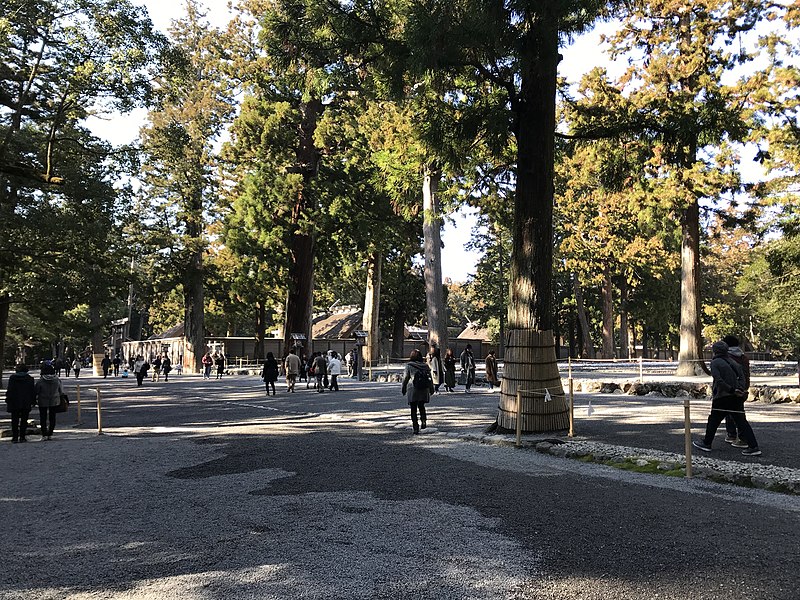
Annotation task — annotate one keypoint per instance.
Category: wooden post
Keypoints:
(641, 371)
(571, 410)
(687, 424)
(78, 404)
(99, 414)
(519, 418)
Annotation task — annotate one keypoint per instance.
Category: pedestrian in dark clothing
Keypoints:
(140, 370)
(491, 370)
(20, 398)
(449, 370)
(48, 397)
(105, 364)
(219, 361)
(728, 394)
(736, 354)
(208, 363)
(116, 363)
(468, 367)
(320, 371)
(156, 364)
(270, 372)
(166, 367)
(417, 388)
(309, 368)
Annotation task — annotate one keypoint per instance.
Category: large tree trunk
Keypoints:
(372, 303)
(530, 307)
(261, 330)
(398, 332)
(432, 241)
(586, 338)
(5, 304)
(608, 314)
(624, 326)
(193, 312)
(690, 357)
(98, 342)
(300, 298)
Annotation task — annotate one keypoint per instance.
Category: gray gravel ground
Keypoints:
(209, 490)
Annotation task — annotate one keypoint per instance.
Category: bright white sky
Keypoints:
(457, 262)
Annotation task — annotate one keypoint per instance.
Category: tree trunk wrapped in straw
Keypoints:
(531, 368)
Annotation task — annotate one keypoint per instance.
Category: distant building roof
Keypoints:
(340, 325)
(172, 332)
(474, 331)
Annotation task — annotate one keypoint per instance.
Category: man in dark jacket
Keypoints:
(728, 395)
(736, 354)
(20, 397)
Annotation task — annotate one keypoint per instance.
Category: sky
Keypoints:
(457, 262)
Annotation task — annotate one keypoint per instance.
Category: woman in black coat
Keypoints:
(20, 398)
(270, 372)
(417, 388)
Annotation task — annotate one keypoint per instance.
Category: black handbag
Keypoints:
(63, 405)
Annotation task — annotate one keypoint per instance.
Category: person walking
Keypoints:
(208, 362)
(140, 370)
(736, 354)
(417, 388)
(116, 363)
(449, 370)
(166, 367)
(156, 364)
(320, 371)
(76, 367)
(434, 360)
(334, 370)
(219, 361)
(105, 364)
(270, 372)
(728, 395)
(20, 398)
(491, 370)
(292, 366)
(468, 367)
(48, 396)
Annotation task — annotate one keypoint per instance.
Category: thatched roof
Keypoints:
(338, 326)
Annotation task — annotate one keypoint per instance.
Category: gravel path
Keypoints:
(213, 491)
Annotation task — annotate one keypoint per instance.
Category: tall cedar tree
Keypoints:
(179, 169)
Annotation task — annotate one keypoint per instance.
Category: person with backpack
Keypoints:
(728, 395)
(292, 367)
(417, 388)
(320, 371)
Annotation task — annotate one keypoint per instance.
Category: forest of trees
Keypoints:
(308, 152)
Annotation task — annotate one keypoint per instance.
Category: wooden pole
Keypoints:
(99, 414)
(519, 418)
(78, 403)
(641, 371)
(571, 410)
(687, 424)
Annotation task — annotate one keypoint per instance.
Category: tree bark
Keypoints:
(432, 249)
(193, 310)
(372, 303)
(300, 297)
(261, 330)
(583, 320)
(530, 306)
(624, 326)
(608, 314)
(5, 304)
(98, 345)
(398, 332)
(690, 357)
